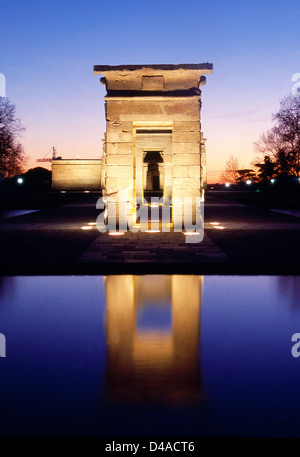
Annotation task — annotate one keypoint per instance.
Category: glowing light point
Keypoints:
(20, 180)
(248, 182)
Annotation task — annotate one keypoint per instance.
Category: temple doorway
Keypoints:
(153, 167)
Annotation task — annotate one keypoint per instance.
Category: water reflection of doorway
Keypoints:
(153, 339)
(153, 174)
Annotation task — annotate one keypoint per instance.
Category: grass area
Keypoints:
(39, 200)
(284, 199)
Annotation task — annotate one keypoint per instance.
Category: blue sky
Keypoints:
(49, 48)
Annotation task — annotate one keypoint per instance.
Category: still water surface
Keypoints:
(15, 212)
(150, 355)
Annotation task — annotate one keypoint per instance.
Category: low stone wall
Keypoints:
(76, 174)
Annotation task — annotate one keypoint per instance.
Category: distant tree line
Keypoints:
(279, 149)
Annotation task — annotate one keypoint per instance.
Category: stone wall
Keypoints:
(76, 174)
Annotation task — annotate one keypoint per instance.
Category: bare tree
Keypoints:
(230, 174)
(288, 122)
(282, 142)
(12, 155)
(270, 143)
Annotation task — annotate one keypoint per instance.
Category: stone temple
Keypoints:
(153, 145)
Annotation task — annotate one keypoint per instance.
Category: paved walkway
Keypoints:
(239, 239)
(151, 248)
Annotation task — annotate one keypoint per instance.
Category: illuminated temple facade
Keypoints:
(153, 144)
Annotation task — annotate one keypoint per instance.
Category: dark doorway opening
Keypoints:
(154, 179)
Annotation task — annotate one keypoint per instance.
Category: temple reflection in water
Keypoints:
(153, 338)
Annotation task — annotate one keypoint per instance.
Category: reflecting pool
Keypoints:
(178, 355)
(16, 212)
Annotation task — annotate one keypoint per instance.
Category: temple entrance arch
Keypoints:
(153, 174)
(153, 162)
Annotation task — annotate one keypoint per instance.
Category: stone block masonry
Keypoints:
(78, 174)
(153, 142)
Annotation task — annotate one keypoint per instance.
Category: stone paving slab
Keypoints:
(151, 247)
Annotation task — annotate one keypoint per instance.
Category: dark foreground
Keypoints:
(255, 240)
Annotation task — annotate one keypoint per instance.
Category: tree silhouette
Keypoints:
(282, 142)
(12, 155)
(230, 174)
(246, 174)
(266, 170)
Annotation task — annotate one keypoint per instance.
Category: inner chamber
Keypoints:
(153, 174)
(153, 164)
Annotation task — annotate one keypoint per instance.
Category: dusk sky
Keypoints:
(49, 48)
